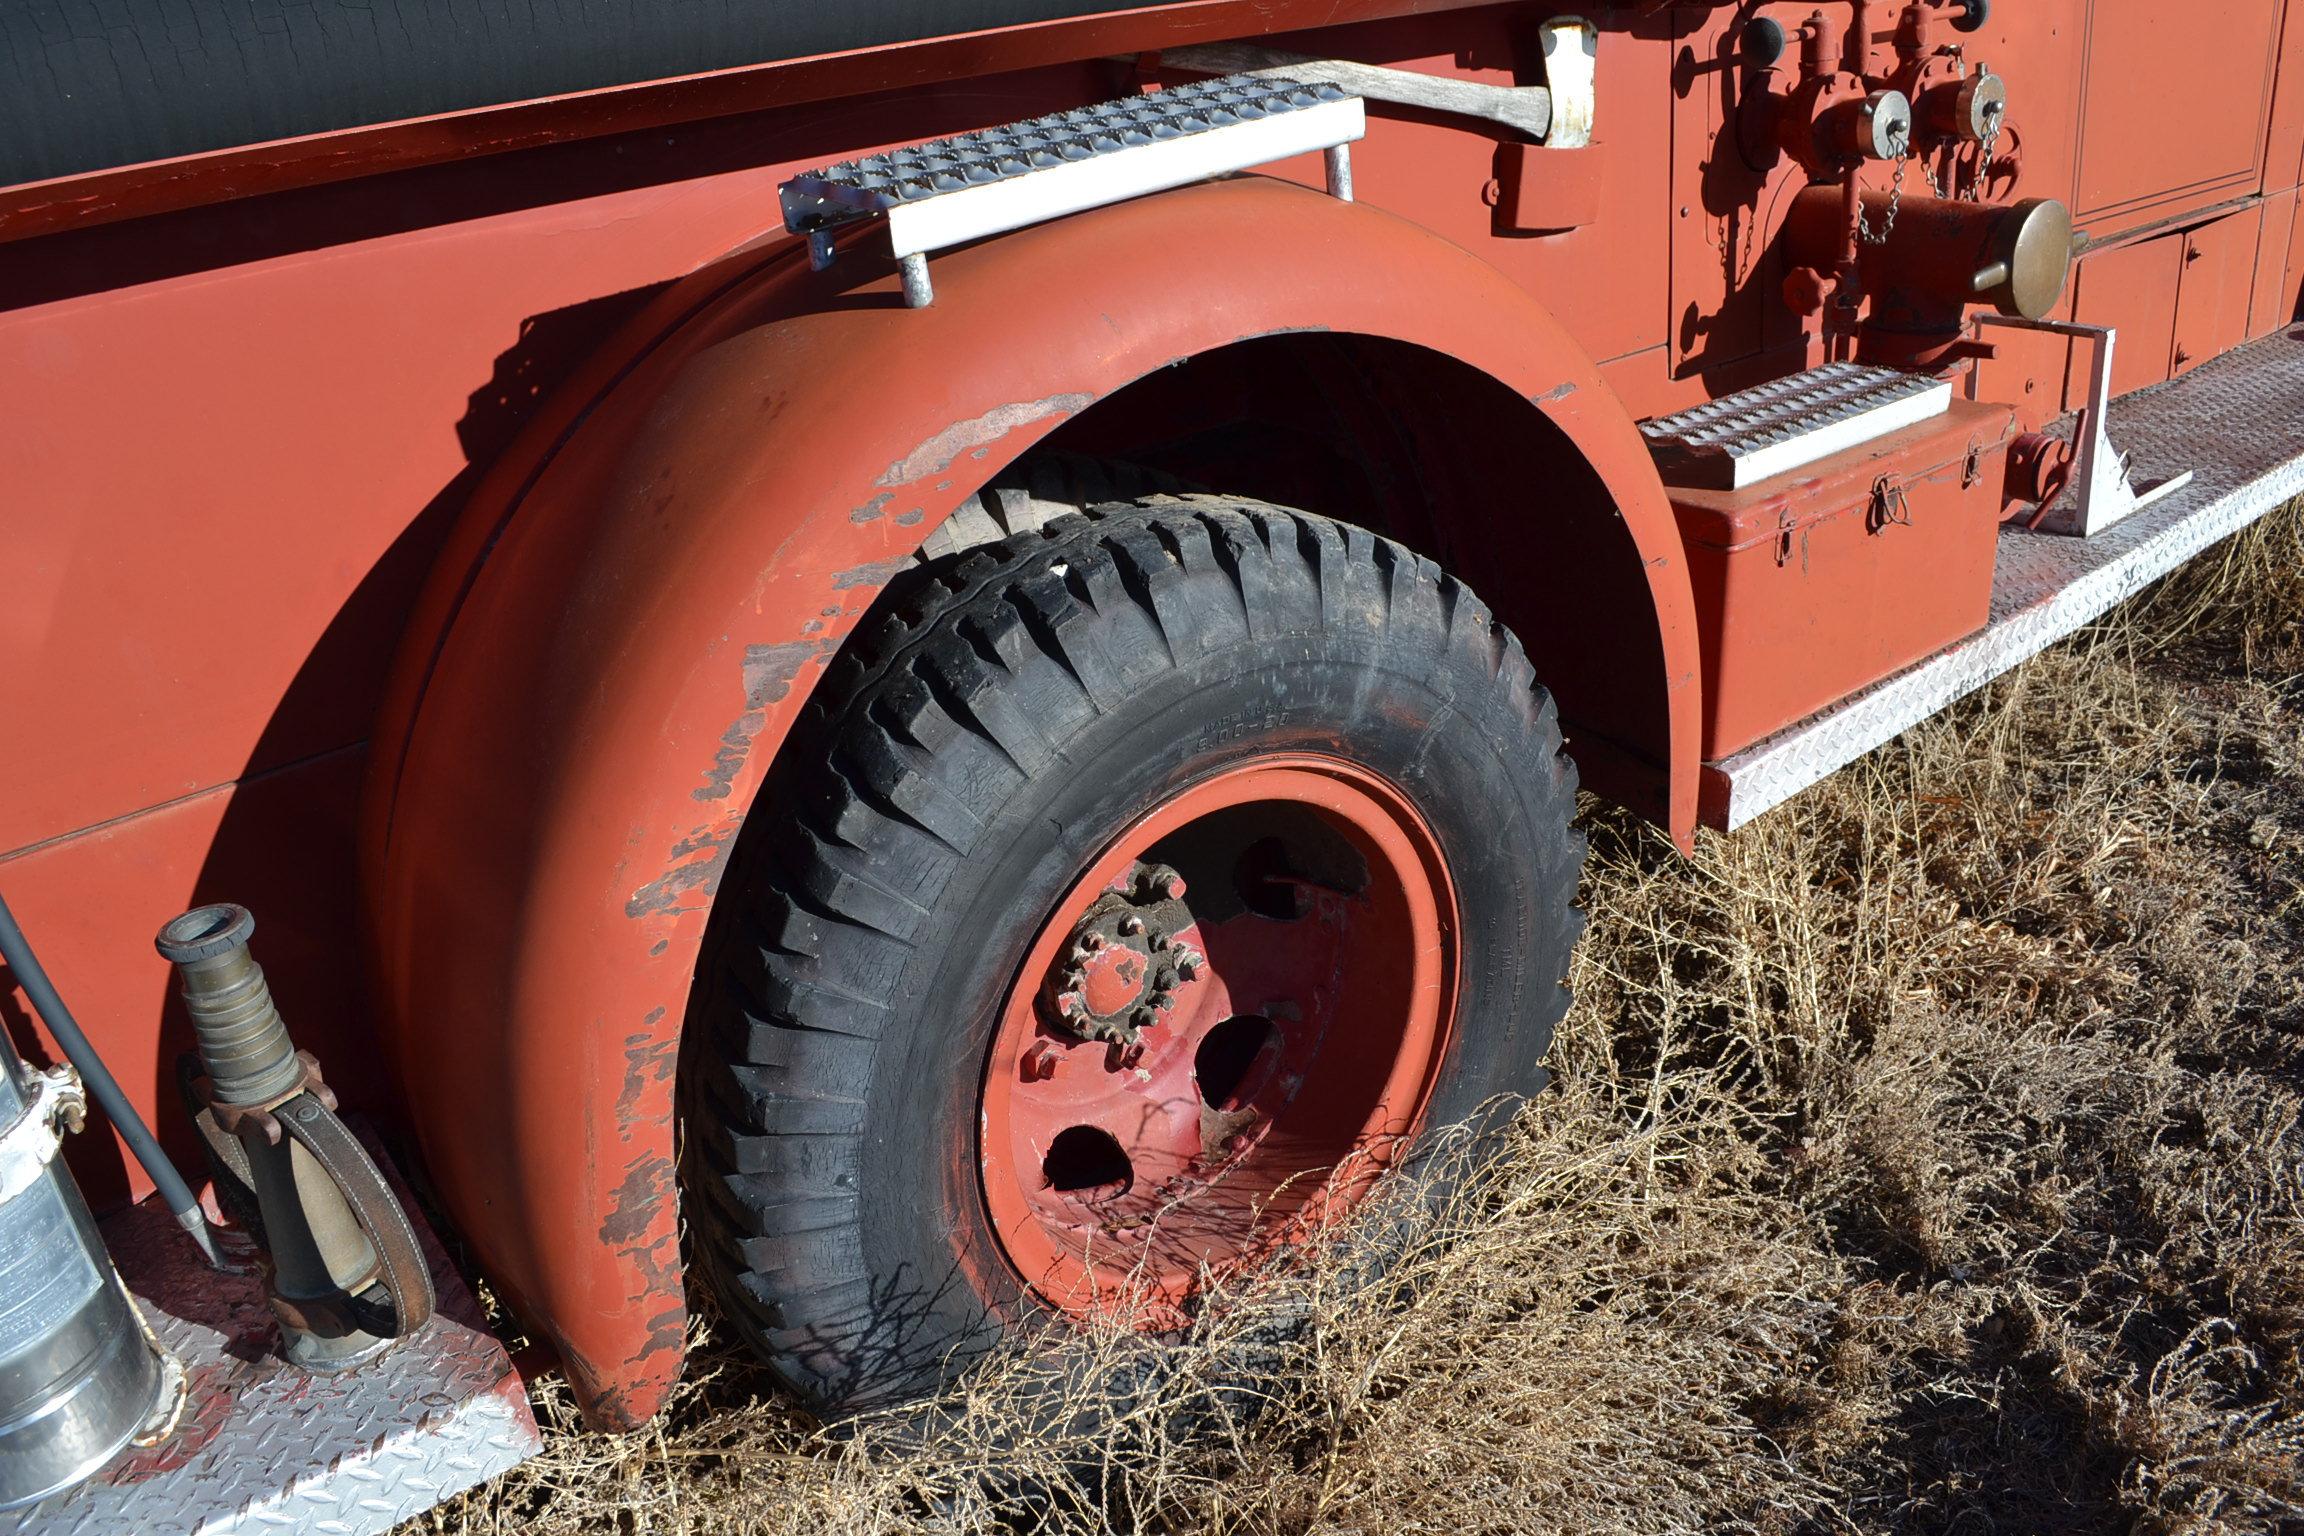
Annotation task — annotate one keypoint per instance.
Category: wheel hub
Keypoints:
(1124, 962)
(1183, 1076)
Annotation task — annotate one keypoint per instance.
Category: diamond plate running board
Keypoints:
(2239, 419)
(262, 1446)
(928, 197)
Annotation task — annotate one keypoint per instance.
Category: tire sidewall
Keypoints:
(1429, 717)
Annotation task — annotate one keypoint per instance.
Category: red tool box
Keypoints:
(1832, 575)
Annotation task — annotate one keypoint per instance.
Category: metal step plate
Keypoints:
(262, 1446)
(2238, 419)
(953, 190)
(1743, 438)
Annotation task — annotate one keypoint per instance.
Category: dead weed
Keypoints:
(1928, 1156)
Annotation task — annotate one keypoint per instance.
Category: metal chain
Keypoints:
(1984, 155)
(1986, 146)
(1887, 220)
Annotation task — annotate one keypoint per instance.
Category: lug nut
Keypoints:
(1091, 941)
(1131, 925)
(1188, 965)
(1157, 881)
(1039, 1063)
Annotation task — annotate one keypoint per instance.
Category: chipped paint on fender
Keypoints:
(874, 573)
(941, 451)
(768, 674)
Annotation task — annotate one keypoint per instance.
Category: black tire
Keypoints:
(996, 721)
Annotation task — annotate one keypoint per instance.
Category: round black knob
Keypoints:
(1761, 44)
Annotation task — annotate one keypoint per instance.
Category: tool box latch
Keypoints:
(1887, 505)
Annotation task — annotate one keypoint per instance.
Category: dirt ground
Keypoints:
(1928, 1156)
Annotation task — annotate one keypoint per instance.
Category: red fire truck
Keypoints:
(950, 643)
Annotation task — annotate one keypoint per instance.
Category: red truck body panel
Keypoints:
(259, 399)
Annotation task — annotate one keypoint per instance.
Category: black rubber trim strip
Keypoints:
(85, 87)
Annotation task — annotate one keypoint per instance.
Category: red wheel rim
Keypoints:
(1285, 1066)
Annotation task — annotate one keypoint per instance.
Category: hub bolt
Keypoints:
(1118, 974)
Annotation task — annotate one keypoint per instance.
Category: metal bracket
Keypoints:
(936, 195)
(2100, 492)
(1558, 112)
(29, 1145)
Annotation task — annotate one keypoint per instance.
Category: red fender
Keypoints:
(633, 613)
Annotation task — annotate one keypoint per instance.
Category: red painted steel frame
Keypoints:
(593, 719)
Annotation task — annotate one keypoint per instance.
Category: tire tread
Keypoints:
(922, 697)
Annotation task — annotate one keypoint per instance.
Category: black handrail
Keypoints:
(101, 1086)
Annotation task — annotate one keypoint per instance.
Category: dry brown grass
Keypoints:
(1927, 1157)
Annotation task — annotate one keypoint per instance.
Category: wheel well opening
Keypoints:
(1432, 452)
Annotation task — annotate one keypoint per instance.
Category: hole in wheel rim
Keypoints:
(1267, 880)
(1226, 1066)
(1087, 1161)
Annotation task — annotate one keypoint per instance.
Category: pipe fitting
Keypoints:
(344, 1270)
(243, 1043)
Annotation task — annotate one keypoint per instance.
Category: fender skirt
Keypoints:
(638, 602)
